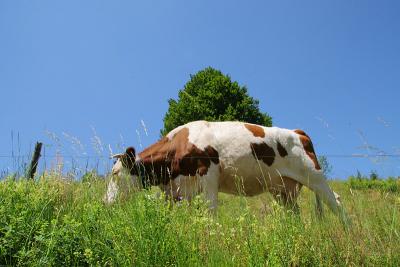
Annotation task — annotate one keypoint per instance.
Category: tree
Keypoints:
(210, 95)
(374, 175)
(325, 165)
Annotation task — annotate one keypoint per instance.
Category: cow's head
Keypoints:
(125, 166)
(125, 163)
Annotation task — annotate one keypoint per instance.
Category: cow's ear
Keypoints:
(130, 152)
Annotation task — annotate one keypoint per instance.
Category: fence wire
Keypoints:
(200, 157)
(76, 166)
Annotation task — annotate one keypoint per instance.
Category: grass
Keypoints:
(54, 222)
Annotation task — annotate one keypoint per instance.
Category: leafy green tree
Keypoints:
(374, 175)
(359, 176)
(325, 165)
(210, 95)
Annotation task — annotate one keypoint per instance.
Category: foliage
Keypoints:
(325, 165)
(359, 175)
(390, 184)
(62, 223)
(210, 95)
(373, 175)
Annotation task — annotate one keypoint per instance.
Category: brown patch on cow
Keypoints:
(308, 147)
(282, 151)
(263, 152)
(169, 158)
(213, 154)
(192, 160)
(256, 130)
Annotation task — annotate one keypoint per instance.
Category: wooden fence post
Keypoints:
(35, 160)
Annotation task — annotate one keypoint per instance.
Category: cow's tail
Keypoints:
(323, 193)
(317, 181)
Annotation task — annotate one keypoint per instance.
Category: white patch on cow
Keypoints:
(117, 168)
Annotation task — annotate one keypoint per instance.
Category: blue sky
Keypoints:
(331, 68)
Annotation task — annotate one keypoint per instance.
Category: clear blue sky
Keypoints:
(331, 68)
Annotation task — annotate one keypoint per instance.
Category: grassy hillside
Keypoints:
(64, 223)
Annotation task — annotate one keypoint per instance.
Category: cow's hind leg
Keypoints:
(287, 201)
(286, 193)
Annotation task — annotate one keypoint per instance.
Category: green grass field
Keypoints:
(64, 223)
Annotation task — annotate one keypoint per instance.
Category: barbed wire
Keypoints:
(201, 157)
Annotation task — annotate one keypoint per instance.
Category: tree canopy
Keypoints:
(210, 95)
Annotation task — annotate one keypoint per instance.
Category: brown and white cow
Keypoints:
(230, 157)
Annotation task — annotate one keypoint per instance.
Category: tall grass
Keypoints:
(64, 223)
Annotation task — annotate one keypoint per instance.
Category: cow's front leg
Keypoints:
(210, 183)
(171, 191)
(188, 187)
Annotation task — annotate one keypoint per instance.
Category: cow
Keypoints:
(231, 157)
